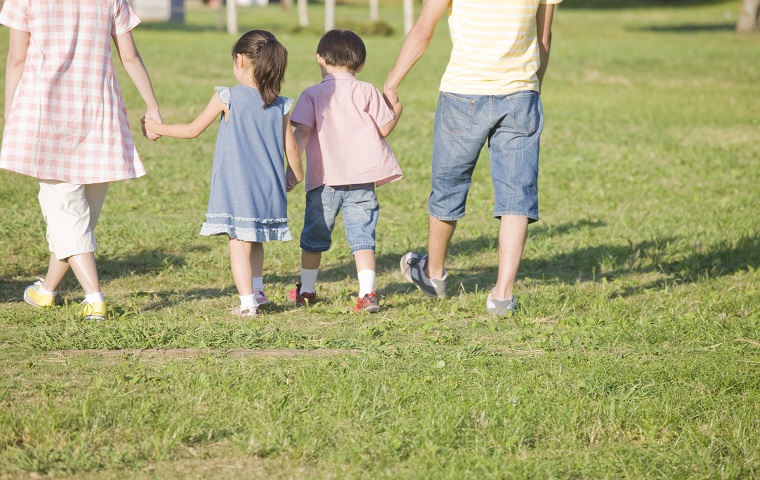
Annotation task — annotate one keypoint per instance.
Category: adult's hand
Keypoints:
(153, 116)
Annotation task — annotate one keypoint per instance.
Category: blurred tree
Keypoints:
(749, 18)
(303, 13)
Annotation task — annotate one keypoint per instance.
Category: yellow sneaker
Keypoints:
(94, 311)
(36, 299)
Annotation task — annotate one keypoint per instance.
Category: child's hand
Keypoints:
(153, 117)
(291, 180)
(150, 129)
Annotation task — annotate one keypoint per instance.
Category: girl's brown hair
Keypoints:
(270, 59)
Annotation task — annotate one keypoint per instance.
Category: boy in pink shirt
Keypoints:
(342, 124)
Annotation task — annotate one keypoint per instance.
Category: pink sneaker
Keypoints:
(248, 312)
(261, 297)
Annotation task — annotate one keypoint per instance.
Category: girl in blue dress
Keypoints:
(248, 179)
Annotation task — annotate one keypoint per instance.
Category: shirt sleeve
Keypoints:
(303, 112)
(550, 2)
(378, 109)
(287, 103)
(15, 15)
(124, 18)
(224, 95)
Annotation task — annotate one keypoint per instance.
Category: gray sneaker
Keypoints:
(500, 308)
(413, 268)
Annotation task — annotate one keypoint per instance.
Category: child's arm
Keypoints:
(190, 130)
(293, 154)
(301, 135)
(386, 129)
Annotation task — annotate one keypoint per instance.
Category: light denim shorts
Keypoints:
(360, 212)
(511, 125)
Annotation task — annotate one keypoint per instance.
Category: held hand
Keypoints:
(151, 117)
(149, 128)
(290, 180)
(390, 95)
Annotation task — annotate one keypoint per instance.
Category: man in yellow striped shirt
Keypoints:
(489, 93)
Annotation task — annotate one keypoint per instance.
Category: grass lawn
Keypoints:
(635, 352)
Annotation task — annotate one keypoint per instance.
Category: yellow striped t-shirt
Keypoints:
(495, 48)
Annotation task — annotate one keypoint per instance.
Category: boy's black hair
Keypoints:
(270, 59)
(342, 48)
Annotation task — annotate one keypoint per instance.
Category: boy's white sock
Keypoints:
(258, 283)
(95, 297)
(366, 282)
(247, 302)
(309, 280)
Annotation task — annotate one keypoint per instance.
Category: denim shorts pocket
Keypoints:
(525, 112)
(457, 113)
(320, 199)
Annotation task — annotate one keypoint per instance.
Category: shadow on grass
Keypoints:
(675, 260)
(108, 269)
(672, 258)
(689, 28)
(622, 4)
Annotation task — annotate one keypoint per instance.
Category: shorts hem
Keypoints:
(356, 248)
(72, 252)
(445, 218)
(316, 249)
(532, 217)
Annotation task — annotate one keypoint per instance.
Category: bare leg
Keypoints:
(240, 262)
(257, 259)
(513, 231)
(86, 271)
(439, 235)
(365, 260)
(57, 269)
(310, 260)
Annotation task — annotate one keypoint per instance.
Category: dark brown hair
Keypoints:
(270, 59)
(342, 48)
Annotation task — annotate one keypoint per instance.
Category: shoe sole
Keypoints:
(31, 302)
(495, 311)
(405, 267)
(409, 273)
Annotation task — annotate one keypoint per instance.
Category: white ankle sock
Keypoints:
(95, 297)
(309, 280)
(366, 282)
(247, 302)
(258, 283)
(42, 291)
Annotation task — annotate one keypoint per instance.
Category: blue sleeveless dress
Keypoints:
(247, 199)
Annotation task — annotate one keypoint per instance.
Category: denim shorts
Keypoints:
(511, 125)
(360, 212)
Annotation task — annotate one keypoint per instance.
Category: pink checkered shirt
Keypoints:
(68, 120)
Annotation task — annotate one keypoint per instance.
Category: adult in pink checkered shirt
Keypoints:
(66, 124)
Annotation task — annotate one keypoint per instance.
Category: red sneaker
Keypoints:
(304, 298)
(367, 303)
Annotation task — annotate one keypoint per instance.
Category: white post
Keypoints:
(329, 14)
(408, 15)
(303, 13)
(374, 10)
(232, 26)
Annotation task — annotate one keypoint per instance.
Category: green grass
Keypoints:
(635, 352)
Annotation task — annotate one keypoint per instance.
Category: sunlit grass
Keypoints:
(634, 354)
